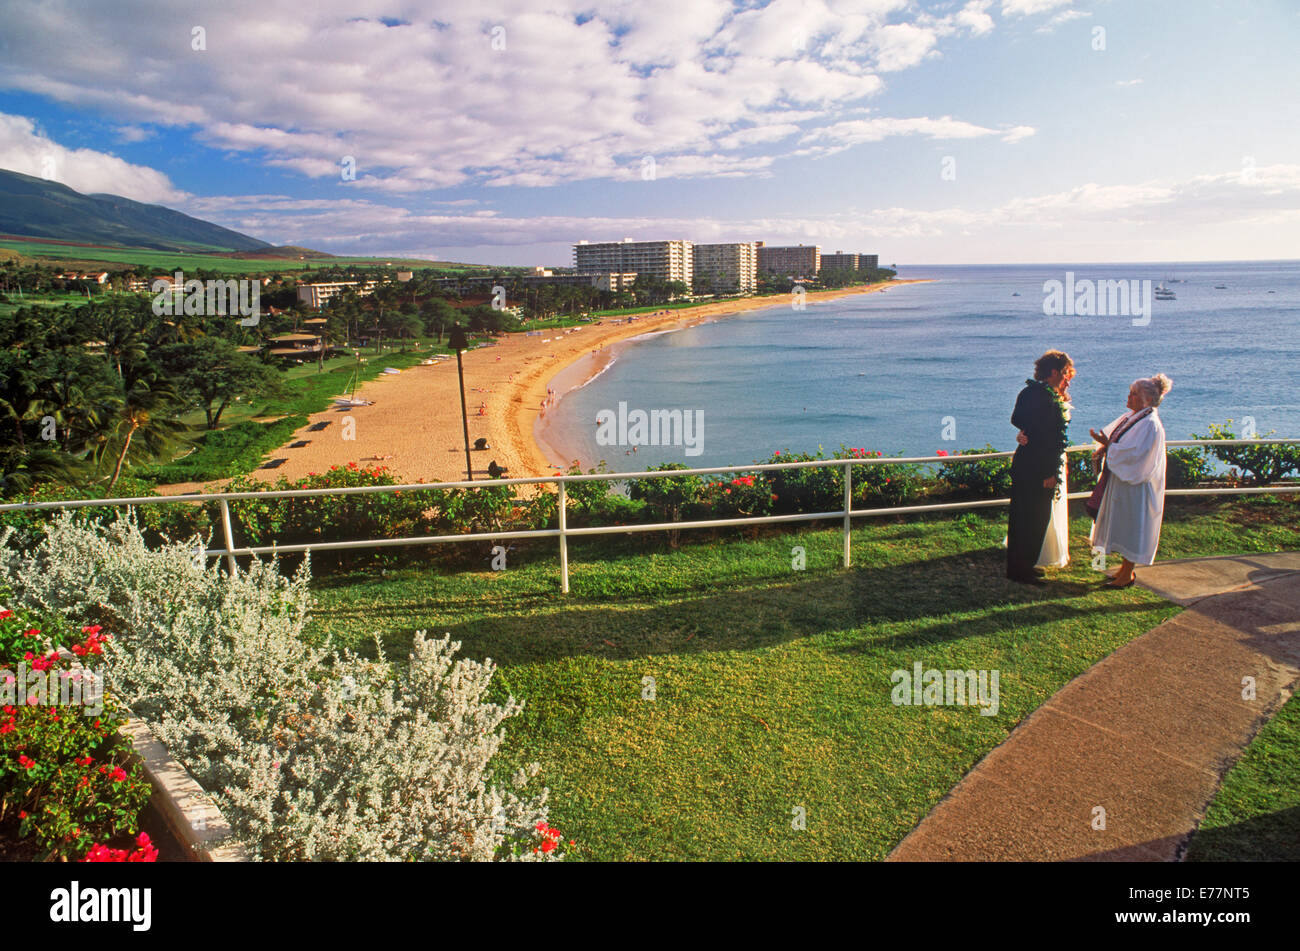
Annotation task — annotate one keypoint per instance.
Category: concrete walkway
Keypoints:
(1147, 734)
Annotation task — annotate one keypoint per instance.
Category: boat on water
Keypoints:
(1016, 294)
(1220, 287)
(1163, 293)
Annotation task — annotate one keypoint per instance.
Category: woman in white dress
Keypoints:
(1133, 504)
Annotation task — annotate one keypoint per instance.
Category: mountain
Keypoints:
(37, 207)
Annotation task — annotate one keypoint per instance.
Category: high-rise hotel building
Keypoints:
(665, 260)
(840, 261)
(803, 260)
(726, 268)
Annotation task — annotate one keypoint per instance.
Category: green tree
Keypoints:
(211, 373)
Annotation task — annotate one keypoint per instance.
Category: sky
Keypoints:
(964, 132)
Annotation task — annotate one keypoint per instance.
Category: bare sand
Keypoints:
(414, 425)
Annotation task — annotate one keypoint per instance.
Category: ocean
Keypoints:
(901, 370)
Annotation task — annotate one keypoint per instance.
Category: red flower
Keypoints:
(548, 846)
(6, 613)
(25, 761)
(941, 452)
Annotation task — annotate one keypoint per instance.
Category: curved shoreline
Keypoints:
(553, 447)
(413, 426)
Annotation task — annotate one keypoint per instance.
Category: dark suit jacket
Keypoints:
(1037, 415)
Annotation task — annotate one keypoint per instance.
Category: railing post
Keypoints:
(848, 507)
(229, 537)
(562, 506)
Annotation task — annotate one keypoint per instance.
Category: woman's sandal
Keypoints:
(1129, 584)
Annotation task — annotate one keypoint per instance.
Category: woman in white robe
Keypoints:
(1133, 505)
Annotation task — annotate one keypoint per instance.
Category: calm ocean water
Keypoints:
(882, 371)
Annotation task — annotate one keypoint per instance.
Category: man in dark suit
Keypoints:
(1036, 464)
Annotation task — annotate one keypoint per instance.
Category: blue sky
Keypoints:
(1070, 130)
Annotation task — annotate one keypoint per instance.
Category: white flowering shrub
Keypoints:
(311, 754)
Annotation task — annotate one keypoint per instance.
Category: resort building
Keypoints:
(839, 261)
(725, 268)
(314, 295)
(662, 260)
(803, 260)
(296, 346)
(868, 260)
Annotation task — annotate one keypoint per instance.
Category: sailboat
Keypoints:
(349, 401)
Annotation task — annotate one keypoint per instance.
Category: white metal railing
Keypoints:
(563, 532)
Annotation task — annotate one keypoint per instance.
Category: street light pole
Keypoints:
(456, 340)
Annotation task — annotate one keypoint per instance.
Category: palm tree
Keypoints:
(143, 425)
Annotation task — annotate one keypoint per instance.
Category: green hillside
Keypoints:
(38, 208)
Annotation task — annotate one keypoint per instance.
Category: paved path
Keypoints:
(1147, 733)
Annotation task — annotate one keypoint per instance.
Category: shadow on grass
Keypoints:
(1273, 837)
(744, 613)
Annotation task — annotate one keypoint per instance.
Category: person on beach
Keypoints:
(1133, 497)
(1041, 416)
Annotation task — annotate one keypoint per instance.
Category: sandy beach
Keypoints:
(414, 425)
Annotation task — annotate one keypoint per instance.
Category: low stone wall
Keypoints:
(191, 816)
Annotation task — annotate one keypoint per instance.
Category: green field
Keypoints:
(169, 261)
(771, 687)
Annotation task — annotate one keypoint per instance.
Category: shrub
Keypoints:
(311, 754)
(1260, 464)
(880, 484)
(983, 478)
(1187, 468)
(65, 771)
(805, 490)
(157, 521)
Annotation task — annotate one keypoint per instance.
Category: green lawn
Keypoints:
(1256, 815)
(168, 261)
(771, 686)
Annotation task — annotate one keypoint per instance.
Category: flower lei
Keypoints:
(1063, 414)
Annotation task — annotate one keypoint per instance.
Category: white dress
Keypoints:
(1134, 503)
(1056, 543)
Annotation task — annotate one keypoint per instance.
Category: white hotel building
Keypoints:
(664, 260)
(726, 268)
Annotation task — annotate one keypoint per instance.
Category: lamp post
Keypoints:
(457, 341)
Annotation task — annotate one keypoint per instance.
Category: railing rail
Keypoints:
(563, 532)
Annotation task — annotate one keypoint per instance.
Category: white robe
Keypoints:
(1133, 505)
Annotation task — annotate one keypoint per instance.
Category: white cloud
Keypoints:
(1030, 7)
(23, 148)
(573, 93)
(354, 225)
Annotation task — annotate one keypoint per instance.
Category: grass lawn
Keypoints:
(771, 687)
(169, 261)
(1256, 815)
